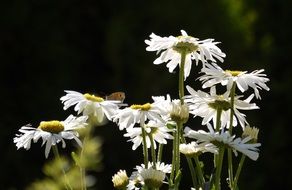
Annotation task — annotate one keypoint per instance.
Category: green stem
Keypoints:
(191, 167)
(232, 95)
(218, 126)
(199, 171)
(145, 149)
(179, 127)
(160, 151)
(229, 152)
(219, 168)
(218, 119)
(176, 140)
(230, 167)
(173, 157)
(57, 155)
(238, 171)
(153, 155)
(181, 76)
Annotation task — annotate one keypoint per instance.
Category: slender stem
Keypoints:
(230, 167)
(57, 155)
(153, 155)
(176, 140)
(177, 166)
(193, 172)
(173, 157)
(199, 171)
(219, 168)
(229, 152)
(160, 151)
(191, 167)
(238, 171)
(181, 76)
(218, 119)
(218, 160)
(232, 95)
(145, 149)
(218, 126)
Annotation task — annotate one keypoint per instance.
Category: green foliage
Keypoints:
(61, 171)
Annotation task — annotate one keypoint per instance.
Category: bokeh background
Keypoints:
(49, 46)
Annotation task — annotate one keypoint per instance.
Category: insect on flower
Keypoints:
(116, 96)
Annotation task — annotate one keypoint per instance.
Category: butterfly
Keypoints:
(120, 96)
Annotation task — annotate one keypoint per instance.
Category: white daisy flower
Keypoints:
(91, 105)
(195, 49)
(161, 166)
(120, 180)
(245, 147)
(195, 188)
(144, 175)
(51, 132)
(195, 149)
(152, 178)
(206, 105)
(164, 102)
(135, 181)
(136, 113)
(176, 111)
(166, 168)
(215, 74)
(224, 138)
(157, 129)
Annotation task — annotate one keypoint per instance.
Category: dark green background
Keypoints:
(98, 46)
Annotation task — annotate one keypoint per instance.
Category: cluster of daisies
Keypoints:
(154, 124)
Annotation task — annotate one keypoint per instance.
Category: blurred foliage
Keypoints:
(98, 46)
(87, 160)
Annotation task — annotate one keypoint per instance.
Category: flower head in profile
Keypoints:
(51, 132)
(194, 49)
(90, 105)
(223, 138)
(120, 180)
(206, 106)
(179, 112)
(194, 149)
(140, 113)
(152, 176)
(251, 132)
(154, 129)
(195, 188)
(215, 74)
(135, 181)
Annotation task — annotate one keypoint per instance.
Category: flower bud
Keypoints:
(120, 180)
(251, 132)
(179, 112)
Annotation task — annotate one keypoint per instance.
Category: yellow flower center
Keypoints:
(93, 98)
(51, 126)
(233, 73)
(144, 107)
